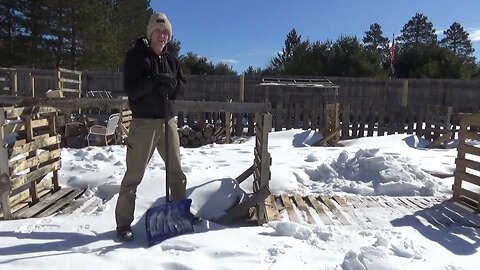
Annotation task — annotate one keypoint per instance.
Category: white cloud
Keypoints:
(226, 61)
(474, 34)
(229, 61)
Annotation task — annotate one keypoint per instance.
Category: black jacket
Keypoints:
(144, 80)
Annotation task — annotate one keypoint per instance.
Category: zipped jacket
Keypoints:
(149, 77)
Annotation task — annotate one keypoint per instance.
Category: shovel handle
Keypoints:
(167, 152)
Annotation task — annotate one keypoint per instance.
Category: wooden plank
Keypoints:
(43, 187)
(34, 145)
(21, 111)
(271, 208)
(340, 201)
(5, 183)
(303, 207)
(468, 177)
(408, 203)
(438, 141)
(32, 176)
(17, 166)
(468, 163)
(469, 149)
(43, 204)
(61, 203)
(356, 202)
(69, 104)
(320, 211)
(331, 205)
(469, 194)
(471, 135)
(419, 205)
(289, 207)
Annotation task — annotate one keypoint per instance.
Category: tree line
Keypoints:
(415, 53)
(95, 35)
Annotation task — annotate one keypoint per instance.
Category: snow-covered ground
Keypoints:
(385, 167)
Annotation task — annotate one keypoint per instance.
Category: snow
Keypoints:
(384, 167)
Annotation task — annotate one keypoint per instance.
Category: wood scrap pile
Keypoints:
(195, 137)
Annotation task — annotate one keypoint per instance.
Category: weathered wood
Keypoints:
(438, 141)
(271, 209)
(468, 164)
(289, 207)
(5, 181)
(468, 149)
(35, 145)
(328, 137)
(22, 111)
(340, 201)
(474, 179)
(303, 206)
(35, 175)
(320, 211)
(43, 187)
(331, 205)
(61, 203)
(43, 204)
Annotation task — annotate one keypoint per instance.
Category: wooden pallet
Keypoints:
(357, 210)
(49, 204)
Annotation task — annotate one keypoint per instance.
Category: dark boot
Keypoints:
(125, 233)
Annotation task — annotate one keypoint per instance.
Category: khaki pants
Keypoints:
(143, 137)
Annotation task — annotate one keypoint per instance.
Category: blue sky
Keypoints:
(246, 33)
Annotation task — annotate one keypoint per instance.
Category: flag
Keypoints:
(392, 54)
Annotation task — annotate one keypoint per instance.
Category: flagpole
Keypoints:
(392, 54)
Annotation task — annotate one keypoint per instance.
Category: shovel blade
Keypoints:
(168, 220)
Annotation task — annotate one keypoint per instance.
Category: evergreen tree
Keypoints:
(193, 64)
(131, 20)
(251, 71)
(417, 30)
(456, 39)
(350, 59)
(293, 40)
(99, 36)
(377, 46)
(223, 69)
(9, 32)
(174, 47)
(374, 39)
(33, 38)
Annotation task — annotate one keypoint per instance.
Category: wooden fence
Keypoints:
(367, 107)
(467, 172)
(30, 150)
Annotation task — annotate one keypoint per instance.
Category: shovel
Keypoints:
(172, 218)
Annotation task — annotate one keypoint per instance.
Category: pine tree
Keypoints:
(417, 30)
(9, 32)
(99, 36)
(279, 62)
(131, 19)
(456, 39)
(374, 39)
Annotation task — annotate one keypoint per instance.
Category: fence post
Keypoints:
(14, 84)
(242, 88)
(404, 98)
(5, 183)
